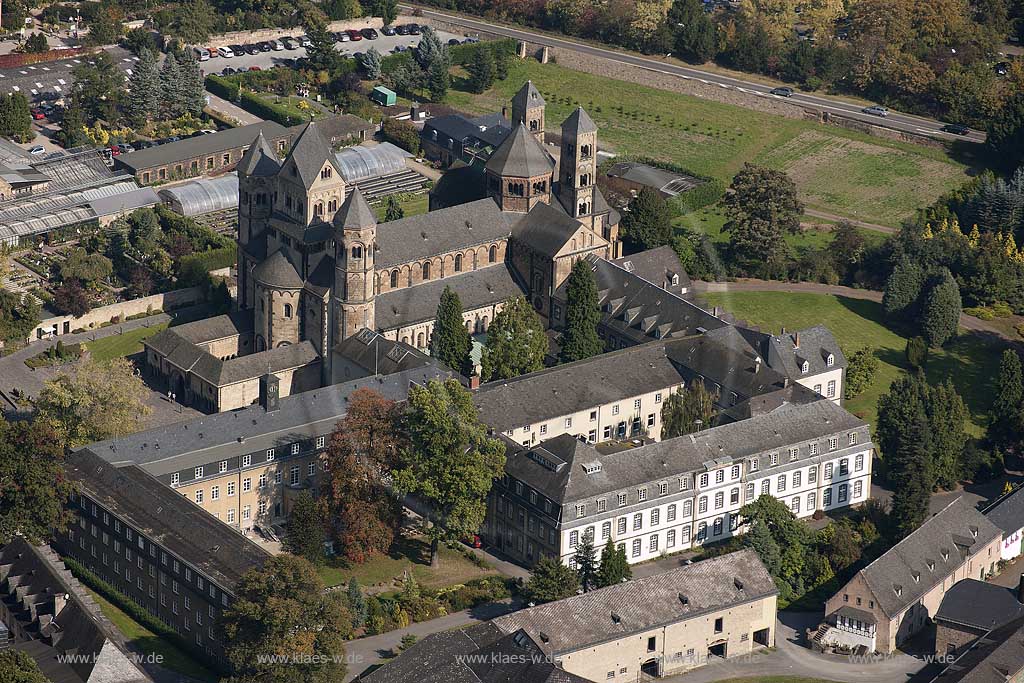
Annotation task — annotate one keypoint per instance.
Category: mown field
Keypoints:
(837, 171)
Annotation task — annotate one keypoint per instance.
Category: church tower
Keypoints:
(578, 166)
(256, 171)
(528, 109)
(355, 237)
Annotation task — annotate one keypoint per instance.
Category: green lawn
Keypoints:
(291, 105)
(971, 361)
(838, 171)
(412, 204)
(120, 345)
(711, 220)
(774, 679)
(148, 642)
(406, 555)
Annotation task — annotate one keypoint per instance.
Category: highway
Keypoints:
(895, 120)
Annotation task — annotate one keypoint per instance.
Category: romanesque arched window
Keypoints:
(318, 209)
(426, 270)
(458, 263)
(287, 310)
(325, 173)
(585, 151)
(332, 205)
(492, 254)
(357, 252)
(394, 279)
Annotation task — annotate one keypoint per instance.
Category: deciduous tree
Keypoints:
(449, 462)
(71, 298)
(861, 370)
(19, 315)
(579, 340)
(17, 666)
(282, 627)
(761, 207)
(687, 410)
(516, 343)
(33, 488)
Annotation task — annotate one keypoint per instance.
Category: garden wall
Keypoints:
(246, 37)
(65, 324)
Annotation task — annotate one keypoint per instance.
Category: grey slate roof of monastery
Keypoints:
(203, 145)
(310, 151)
(223, 435)
(952, 530)
(460, 184)
(277, 271)
(643, 604)
(437, 232)
(355, 212)
(578, 122)
(997, 657)
(481, 653)
(657, 266)
(527, 97)
(563, 479)
(1007, 513)
(260, 159)
(166, 517)
(377, 355)
(476, 288)
(733, 371)
(545, 229)
(34, 575)
(223, 372)
(979, 604)
(520, 156)
(572, 387)
(782, 353)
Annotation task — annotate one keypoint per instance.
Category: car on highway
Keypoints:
(388, 30)
(875, 110)
(782, 92)
(37, 150)
(414, 29)
(956, 129)
(355, 35)
(369, 34)
(225, 51)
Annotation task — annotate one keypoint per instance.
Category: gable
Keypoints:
(581, 239)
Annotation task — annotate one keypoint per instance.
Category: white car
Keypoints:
(37, 150)
(202, 54)
(225, 51)
(304, 41)
(276, 45)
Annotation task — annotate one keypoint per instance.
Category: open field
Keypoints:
(711, 220)
(407, 554)
(837, 171)
(971, 360)
(148, 642)
(120, 345)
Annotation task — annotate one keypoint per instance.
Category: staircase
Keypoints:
(820, 634)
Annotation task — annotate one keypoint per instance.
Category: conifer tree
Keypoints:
(450, 343)
(371, 63)
(582, 314)
(356, 602)
(393, 210)
(551, 580)
(1008, 408)
(516, 343)
(481, 70)
(143, 101)
(192, 88)
(438, 80)
(910, 471)
(614, 566)
(586, 562)
(171, 101)
(941, 313)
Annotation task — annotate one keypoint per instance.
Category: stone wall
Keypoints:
(246, 37)
(65, 324)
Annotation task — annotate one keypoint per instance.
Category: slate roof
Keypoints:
(734, 372)
(997, 657)
(1007, 513)
(481, 653)
(310, 151)
(460, 184)
(379, 356)
(545, 229)
(277, 271)
(951, 530)
(782, 352)
(344, 126)
(476, 288)
(520, 156)
(221, 373)
(355, 212)
(658, 266)
(260, 159)
(172, 447)
(640, 605)
(979, 604)
(528, 97)
(556, 467)
(200, 146)
(167, 517)
(438, 232)
(578, 123)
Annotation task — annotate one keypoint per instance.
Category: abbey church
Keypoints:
(315, 267)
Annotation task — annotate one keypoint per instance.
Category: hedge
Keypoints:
(214, 259)
(222, 87)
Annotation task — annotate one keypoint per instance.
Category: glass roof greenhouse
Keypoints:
(204, 195)
(359, 163)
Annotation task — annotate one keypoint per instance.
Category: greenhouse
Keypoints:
(359, 163)
(202, 196)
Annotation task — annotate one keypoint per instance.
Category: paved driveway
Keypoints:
(791, 658)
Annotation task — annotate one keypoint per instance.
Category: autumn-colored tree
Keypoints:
(364, 514)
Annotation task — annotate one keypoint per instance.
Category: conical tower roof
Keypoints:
(520, 156)
(528, 97)
(355, 213)
(277, 271)
(310, 152)
(260, 159)
(579, 122)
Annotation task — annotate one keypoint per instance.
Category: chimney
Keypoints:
(59, 601)
(1020, 589)
(757, 364)
(474, 382)
(504, 111)
(796, 340)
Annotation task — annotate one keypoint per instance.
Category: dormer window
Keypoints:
(897, 589)
(945, 554)
(805, 367)
(917, 577)
(931, 565)
(830, 360)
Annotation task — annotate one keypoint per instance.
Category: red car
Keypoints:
(255, 68)
(355, 35)
(114, 151)
(38, 114)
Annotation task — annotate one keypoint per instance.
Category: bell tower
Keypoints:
(528, 109)
(578, 166)
(355, 237)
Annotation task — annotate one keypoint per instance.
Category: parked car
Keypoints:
(239, 50)
(264, 46)
(454, 41)
(876, 111)
(344, 37)
(304, 41)
(782, 92)
(369, 34)
(1002, 68)
(225, 51)
(114, 151)
(255, 68)
(143, 144)
(289, 42)
(252, 49)
(388, 30)
(37, 114)
(471, 39)
(401, 48)
(37, 150)
(402, 30)
(125, 148)
(213, 52)
(355, 35)
(956, 129)
(227, 71)
(201, 53)
(414, 29)
(276, 45)
(473, 541)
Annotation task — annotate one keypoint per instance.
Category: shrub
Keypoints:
(706, 194)
(981, 312)
(223, 87)
(189, 267)
(402, 134)
(1020, 329)
(1001, 309)
(917, 352)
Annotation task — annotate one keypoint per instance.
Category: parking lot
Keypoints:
(266, 60)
